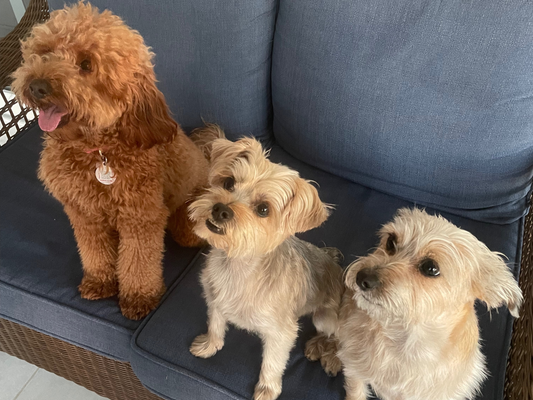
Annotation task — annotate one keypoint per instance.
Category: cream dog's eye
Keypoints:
(390, 246)
(86, 65)
(229, 184)
(262, 210)
(429, 268)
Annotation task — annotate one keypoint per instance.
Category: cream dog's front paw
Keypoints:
(204, 346)
(264, 391)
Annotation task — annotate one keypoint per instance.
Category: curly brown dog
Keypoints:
(113, 156)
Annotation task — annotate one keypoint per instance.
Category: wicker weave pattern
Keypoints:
(109, 378)
(14, 118)
(19, 118)
(519, 375)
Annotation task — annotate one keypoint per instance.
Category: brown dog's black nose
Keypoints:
(367, 279)
(40, 88)
(221, 212)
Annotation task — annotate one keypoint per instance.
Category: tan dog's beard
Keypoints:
(237, 241)
(386, 303)
(243, 236)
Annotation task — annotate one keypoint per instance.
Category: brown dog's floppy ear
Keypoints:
(494, 283)
(147, 120)
(305, 211)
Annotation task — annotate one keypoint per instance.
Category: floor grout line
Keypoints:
(26, 384)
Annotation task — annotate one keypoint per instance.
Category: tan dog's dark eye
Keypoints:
(429, 268)
(390, 246)
(262, 210)
(229, 184)
(86, 65)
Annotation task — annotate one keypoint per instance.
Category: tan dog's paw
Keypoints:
(331, 364)
(204, 347)
(94, 289)
(324, 349)
(138, 306)
(314, 348)
(267, 392)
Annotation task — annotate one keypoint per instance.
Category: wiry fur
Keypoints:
(259, 276)
(204, 137)
(416, 337)
(117, 108)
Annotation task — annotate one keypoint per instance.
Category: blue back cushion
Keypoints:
(428, 100)
(212, 57)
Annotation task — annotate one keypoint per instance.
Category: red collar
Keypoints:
(89, 151)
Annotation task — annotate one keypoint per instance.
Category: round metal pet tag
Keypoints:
(104, 174)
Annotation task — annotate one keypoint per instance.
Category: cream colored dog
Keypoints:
(407, 323)
(259, 276)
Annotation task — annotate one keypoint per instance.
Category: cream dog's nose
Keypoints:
(367, 279)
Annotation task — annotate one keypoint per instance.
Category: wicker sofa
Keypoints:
(280, 70)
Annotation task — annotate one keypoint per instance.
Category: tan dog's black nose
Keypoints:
(367, 279)
(40, 88)
(221, 213)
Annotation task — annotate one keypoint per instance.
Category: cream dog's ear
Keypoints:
(493, 283)
(305, 211)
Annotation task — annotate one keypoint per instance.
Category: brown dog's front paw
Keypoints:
(94, 289)
(138, 306)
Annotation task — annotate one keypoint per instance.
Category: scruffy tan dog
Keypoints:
(407, 323)
(259, 276)
(113, 156)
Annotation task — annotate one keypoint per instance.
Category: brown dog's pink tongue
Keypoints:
(50, 118)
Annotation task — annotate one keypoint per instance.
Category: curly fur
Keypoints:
(100, 75)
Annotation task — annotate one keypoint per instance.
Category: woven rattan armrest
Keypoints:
(519, 374)
(14, 118)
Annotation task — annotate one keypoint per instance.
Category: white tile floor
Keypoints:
(20, 380)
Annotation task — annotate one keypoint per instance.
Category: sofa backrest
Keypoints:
(428, 100)
(212, 57)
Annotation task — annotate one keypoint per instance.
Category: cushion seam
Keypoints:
(180, 370)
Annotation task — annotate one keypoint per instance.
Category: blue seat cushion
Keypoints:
(430, 101)
(162, 359)
(39, 264)
(212, 59)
